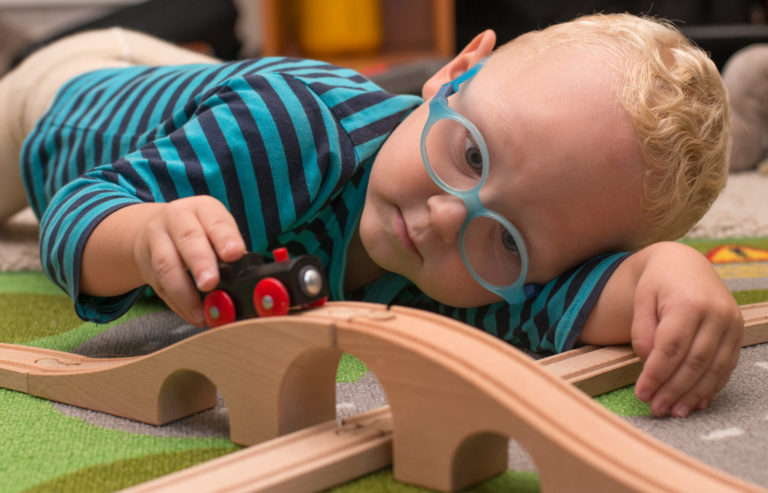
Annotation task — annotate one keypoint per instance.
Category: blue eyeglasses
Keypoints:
(456, 158)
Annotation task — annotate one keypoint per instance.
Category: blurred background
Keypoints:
(396, 42)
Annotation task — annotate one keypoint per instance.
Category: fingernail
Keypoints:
(663, 410)
(642, 394)
(230, 247)
(703, 405)
(203, 277)
(681, 411)
(198, 317)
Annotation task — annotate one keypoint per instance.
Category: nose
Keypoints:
(446, 214)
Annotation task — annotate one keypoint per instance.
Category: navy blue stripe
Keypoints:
(321, 88)
(480, 313)
(357, 79)
(192, 165)
(170, 106)
(159, 168)
(359, 103)
(577, 276)
(347, 157)
(318, 229)
(288, 138)
(314, 115)
(144, 120)
(77, 142)
(541, 318)
(504, 329)
(202, 86)
(378, 128)
(342, 214)
(50, 180)
(220, 148)
(586, 308)
(73, 141)
(140, 88)
(51, 230)
(125, 169)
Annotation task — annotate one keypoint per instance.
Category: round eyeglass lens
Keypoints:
(490, 248)
(454, 155)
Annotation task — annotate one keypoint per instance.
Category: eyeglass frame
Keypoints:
(440, 110)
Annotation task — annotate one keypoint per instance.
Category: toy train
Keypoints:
(251, 287)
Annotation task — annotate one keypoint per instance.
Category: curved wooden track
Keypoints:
(456, 394)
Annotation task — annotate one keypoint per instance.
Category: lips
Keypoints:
(401, 230)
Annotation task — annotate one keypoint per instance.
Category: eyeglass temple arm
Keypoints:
(453, 86)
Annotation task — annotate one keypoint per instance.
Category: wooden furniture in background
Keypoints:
(411, 30)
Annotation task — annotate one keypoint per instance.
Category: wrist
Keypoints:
(110, 258)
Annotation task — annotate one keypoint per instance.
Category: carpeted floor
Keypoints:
(54, 447)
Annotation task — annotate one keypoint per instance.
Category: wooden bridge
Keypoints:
(456, 396)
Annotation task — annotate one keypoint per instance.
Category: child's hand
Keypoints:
(686, 326)
(186, 234)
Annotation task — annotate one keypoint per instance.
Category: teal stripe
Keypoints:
(273, 145)
(175, 167)
(307, 148)
(244, 170)
(213, 179)
(142, 98)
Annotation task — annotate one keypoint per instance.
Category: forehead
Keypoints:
(561, 145)
(560, 76)
(566, 95)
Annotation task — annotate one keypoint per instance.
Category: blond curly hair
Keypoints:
(676, 102)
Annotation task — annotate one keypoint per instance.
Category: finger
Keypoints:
(194, 248)
(222, 231)
(735, 339)
(669, 350)
(729, 351)
(692, 392)
(643, 331)
(168, 277)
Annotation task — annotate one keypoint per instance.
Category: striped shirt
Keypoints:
(285, 144)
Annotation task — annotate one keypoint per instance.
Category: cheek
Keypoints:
(450, 283)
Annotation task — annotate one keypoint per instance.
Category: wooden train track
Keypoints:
(456, 395)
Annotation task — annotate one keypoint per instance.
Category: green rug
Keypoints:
(52, 447)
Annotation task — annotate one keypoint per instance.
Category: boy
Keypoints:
(497, 201)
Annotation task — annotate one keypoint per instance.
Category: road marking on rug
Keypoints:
(762, 364)
(723, 433)
(345, 405)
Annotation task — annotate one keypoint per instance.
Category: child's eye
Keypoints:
(509, 241)
(472, 155)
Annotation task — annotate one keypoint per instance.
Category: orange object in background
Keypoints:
(339, 27)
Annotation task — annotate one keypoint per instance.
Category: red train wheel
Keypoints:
(270, 298)
(219, 308)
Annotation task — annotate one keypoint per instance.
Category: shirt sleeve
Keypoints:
(551, 321)
(242, 143)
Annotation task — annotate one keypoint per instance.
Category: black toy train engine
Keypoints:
(251, 287)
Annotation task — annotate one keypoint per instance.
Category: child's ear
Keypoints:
(477, 49)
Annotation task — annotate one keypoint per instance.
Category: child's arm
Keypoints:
(155, 244)
(684, 322)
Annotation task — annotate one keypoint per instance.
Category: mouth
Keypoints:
(401, 230)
